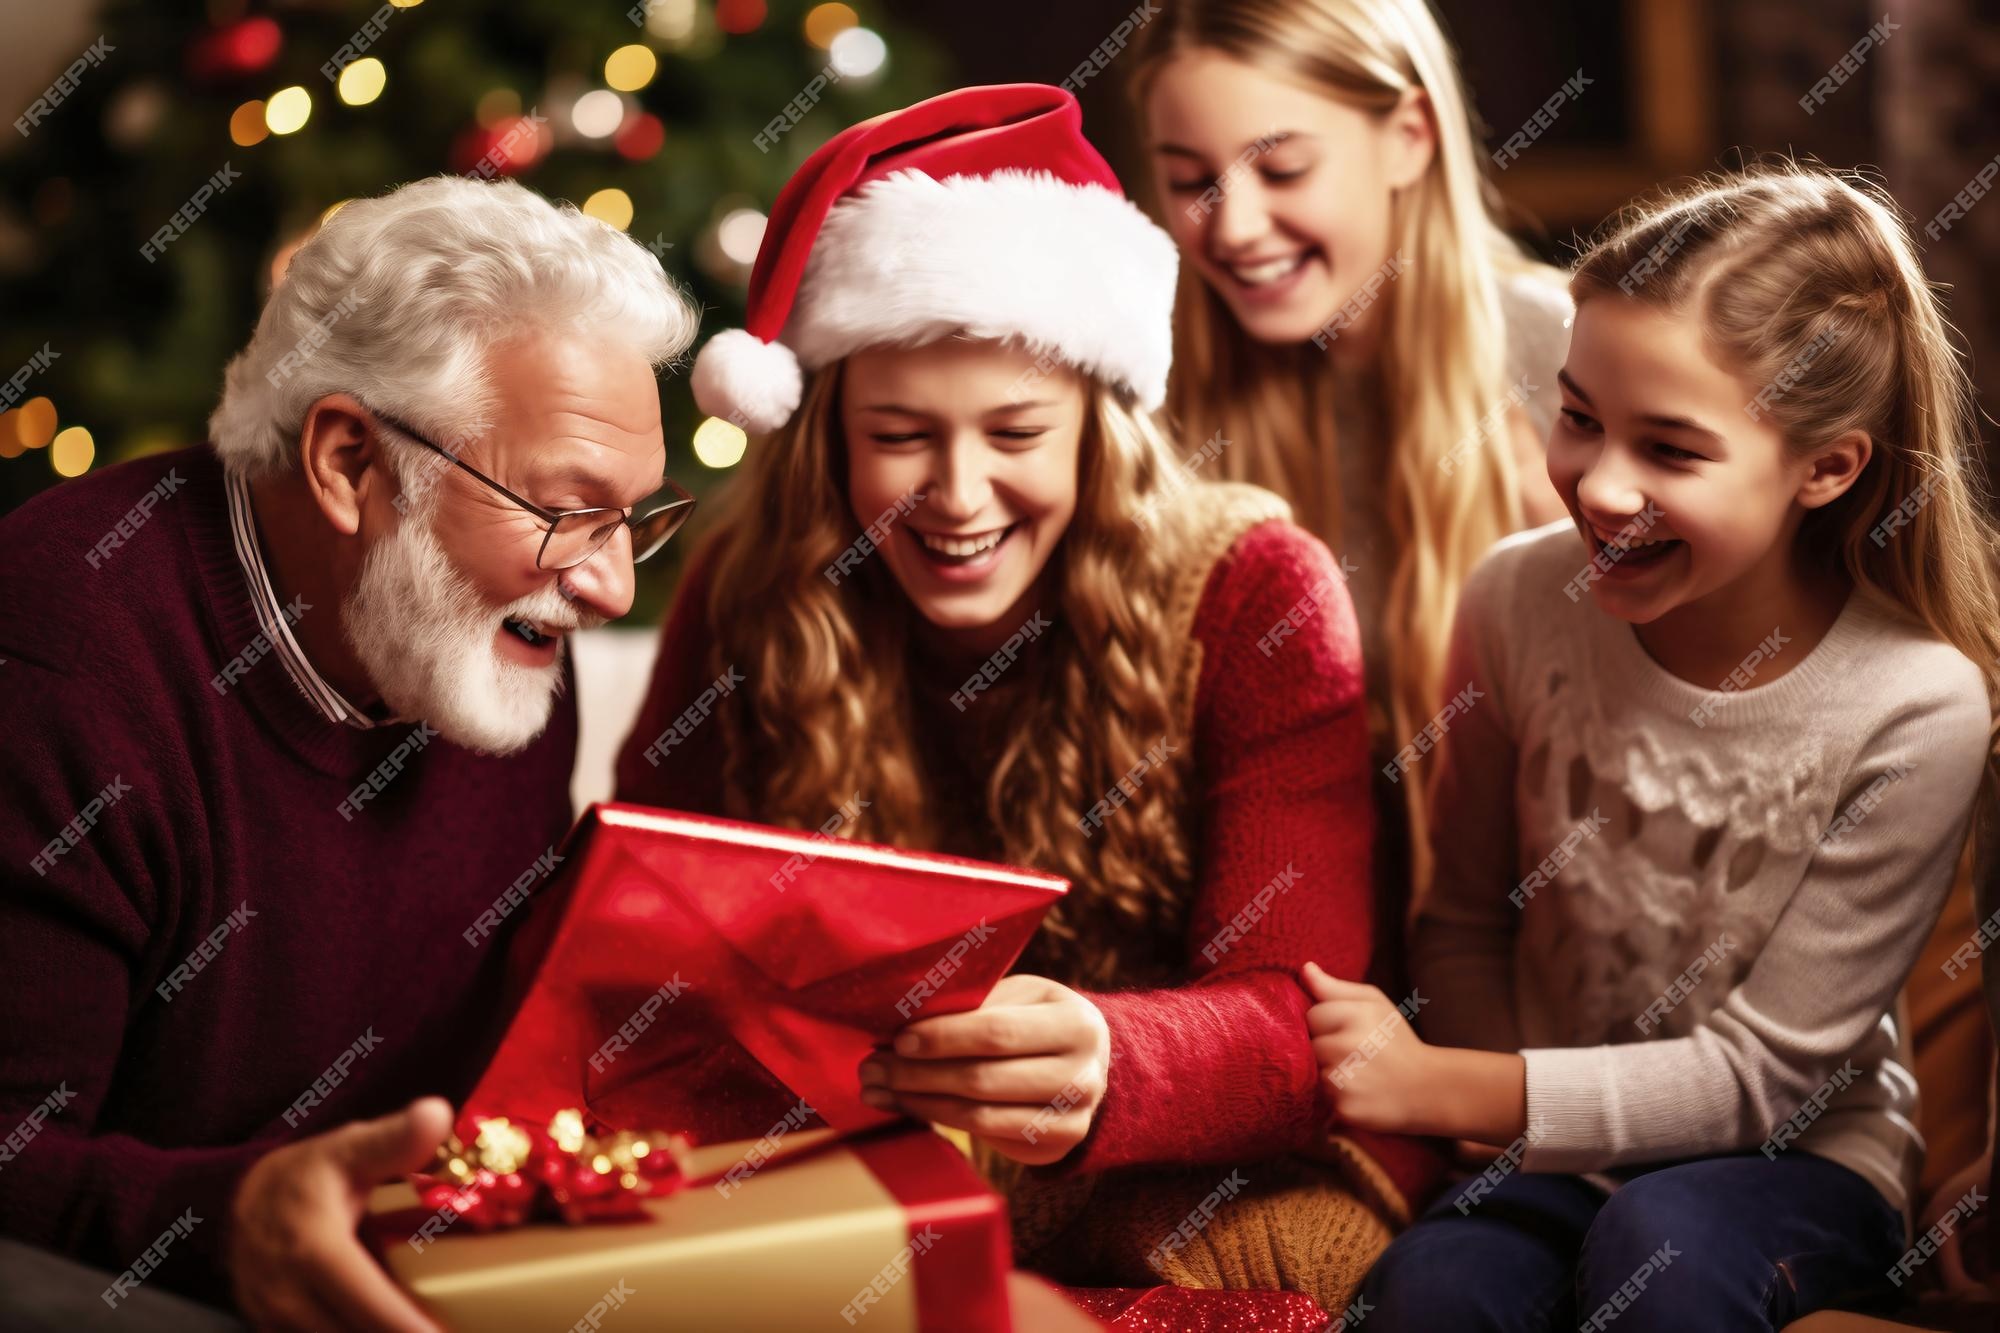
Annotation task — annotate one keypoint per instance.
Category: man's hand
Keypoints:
(293, 1253)
(1025, 1071)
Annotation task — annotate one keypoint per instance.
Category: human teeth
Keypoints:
(1268, 271)
(962, 546)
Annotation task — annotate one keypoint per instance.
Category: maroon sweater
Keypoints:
(328, 973)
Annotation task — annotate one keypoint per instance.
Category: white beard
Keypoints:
(426, 639)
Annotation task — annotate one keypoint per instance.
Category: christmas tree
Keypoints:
(170, 170)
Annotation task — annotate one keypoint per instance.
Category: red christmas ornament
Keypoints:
(510, 1174)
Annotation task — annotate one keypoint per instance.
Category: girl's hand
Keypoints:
(1375, 1067)
(1025, 1071)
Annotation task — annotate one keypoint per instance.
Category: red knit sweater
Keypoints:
(319, 949)
(1219, 1069)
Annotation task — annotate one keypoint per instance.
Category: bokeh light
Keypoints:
(719, 443)
(630, 68)
(613, 206)
(72, 451)
(246, 124)
(362, 82)
(597, 114)
(826, 22)
(288, 110)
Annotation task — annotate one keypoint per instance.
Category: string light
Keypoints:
(246, 124)
(597, 114)
(288, 110)
(72, 452)
(612, 205)
(719, 443)
(858, 53)
(630, 68)
(36, 424)
(362, 82)
(826, 22)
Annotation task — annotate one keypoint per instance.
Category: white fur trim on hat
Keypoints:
(1072, 270)
(741, 378)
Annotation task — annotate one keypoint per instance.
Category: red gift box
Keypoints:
(723, 979)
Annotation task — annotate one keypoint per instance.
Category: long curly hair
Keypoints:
(825, 712)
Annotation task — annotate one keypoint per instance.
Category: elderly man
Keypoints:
(288, 739)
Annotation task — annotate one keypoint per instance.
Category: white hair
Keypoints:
(398, 299)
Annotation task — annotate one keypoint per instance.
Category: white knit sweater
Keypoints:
(1720, 892)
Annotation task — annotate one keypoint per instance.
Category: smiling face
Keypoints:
(1656, 451)
(450, 614)
(991, 445)
(1278, 197)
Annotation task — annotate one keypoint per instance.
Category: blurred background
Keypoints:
(648, 115)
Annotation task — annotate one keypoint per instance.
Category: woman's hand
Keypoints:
(1025, 1071)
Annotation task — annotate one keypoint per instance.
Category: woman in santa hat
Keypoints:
(968, 598)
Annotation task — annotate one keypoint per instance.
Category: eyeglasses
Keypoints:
(575, 535)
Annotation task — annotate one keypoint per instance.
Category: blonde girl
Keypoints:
(1353, 320)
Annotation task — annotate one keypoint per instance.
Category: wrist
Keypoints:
(1477, 1095)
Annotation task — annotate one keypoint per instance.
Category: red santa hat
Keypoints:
(983, 211)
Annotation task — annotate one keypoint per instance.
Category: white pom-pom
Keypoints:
(741, 378)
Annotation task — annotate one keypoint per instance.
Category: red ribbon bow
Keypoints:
(511, 1173)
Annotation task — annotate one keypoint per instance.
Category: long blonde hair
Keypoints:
(1796, 271)
(1452, 492)
(825, 710)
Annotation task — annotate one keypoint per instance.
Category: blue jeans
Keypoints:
(1738, 1243)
